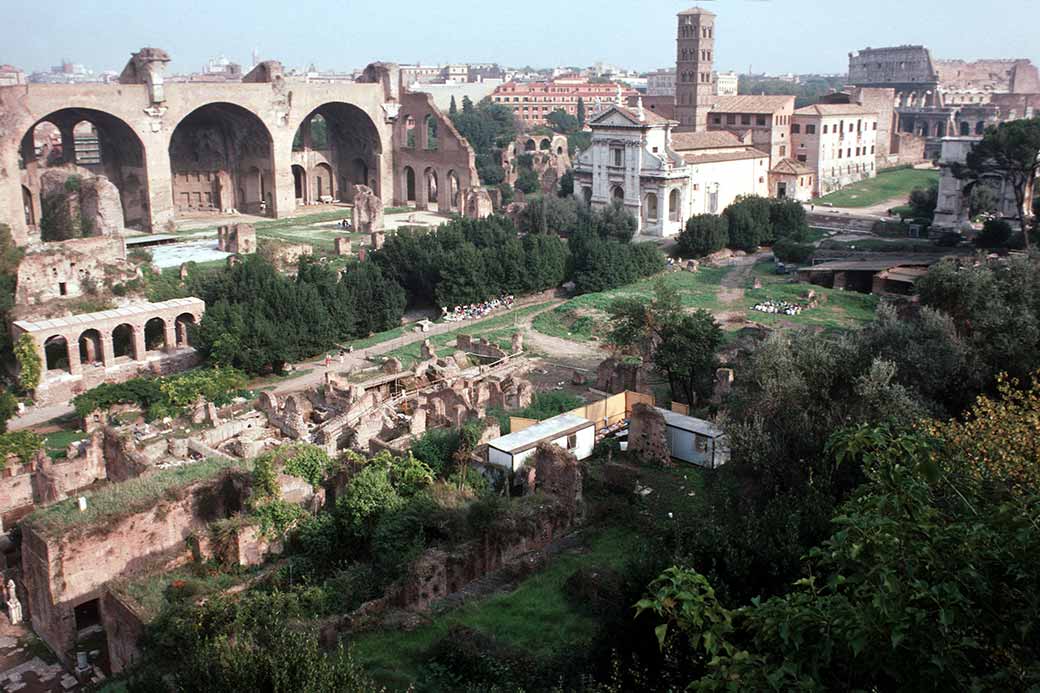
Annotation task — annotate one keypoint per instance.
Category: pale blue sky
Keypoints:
(768, 35)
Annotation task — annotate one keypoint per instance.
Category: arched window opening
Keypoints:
(409, 133)
(618, 194)
(431, 133)
(155, 334)
(123, 341)
(530, 146)
(86, 144)
(673, 205)
(185, 327)
(56, 350)
(90, 348)
(409, 184)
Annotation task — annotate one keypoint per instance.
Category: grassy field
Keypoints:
(902, 245)
(887, 185)
(837, 310)
(57, 442)
(584, 318)
(535, 617)
(499, 330)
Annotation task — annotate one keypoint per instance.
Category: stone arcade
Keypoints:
(262, 146)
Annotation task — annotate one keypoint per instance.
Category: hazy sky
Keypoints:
(767, 35)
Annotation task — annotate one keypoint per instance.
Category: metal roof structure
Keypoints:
(557, 426)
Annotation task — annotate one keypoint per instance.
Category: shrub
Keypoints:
(30, 366)
(704, 234)
(995, 234)
(369, 495)
(436, 447)
(793, 252)
(22, 444)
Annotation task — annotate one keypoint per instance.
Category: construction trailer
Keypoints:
(695, 440)
(571, 432)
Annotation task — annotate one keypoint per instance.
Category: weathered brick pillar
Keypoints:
(107, 350)
(139, 346)
(170, 334)
(72, 348)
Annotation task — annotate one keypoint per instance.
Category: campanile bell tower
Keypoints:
(694, 63)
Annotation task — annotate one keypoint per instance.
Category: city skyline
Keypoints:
(512, 37)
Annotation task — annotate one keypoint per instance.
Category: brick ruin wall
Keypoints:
(1013, 76)
(898, 65)
(63, 572)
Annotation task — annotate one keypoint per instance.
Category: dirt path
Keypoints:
(734, 283)
(564, 351)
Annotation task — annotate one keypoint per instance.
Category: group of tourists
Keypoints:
(778, 308)
(474, 311)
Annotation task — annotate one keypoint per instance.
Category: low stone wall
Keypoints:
(63, 388)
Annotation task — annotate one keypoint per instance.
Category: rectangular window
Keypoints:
(572, 441)
(700, 443)
(63, 289)
(801, 157)
(783, 150)
(745, 120)
(840, 152)
(617, 155)
(825, 129)
(717, 120)
(796, 129)
(811, 130)
(760, 120)
(731, 119)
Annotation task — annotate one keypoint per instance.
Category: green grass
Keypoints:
(536, 617)
(902, 245)
(887, 185)
(150, 593)
(57, 442)
(499, 330)
(583, 319)
(838, 310)
(116, 501)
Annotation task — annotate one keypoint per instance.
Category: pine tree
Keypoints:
(581, 112)
(453, 109)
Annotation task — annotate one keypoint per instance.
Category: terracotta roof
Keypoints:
(713, 139)
(749, 153)
(696, 10)
(791, 166)
(836, 109)
(752, 104)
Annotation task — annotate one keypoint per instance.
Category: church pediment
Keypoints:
(616, 118)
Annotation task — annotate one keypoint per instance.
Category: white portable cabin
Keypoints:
(569, 431)
(694, 440)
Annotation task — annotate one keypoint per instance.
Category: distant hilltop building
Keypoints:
(11, 76)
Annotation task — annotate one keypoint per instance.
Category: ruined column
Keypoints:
(68, 143)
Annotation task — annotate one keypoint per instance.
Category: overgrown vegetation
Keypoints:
(163, 396)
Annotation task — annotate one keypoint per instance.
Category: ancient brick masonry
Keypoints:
(210, 148)
(647, 435)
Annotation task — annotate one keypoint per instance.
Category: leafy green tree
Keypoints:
(1010, 151)
(563, 122)
(681, 346)
(924, 585)
(548, 214)
(30, 365)
(995, 234)
(923, 201)
(467, 104)
(8, 408)
(527, 181)
(748, 222)
(793, 252)
(703, 235)
(578, 142)
(614, 222)
(787, 219)
(567, 184)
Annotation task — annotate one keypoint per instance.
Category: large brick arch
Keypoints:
(353, 151)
